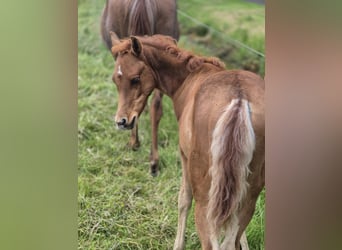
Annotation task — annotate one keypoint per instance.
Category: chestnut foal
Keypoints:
(221, 122)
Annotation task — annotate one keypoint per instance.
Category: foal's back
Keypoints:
(219, 89)
(208, 94)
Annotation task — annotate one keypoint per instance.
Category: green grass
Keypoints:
(120, 205)
(234, 19)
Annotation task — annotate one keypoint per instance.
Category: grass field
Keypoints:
(120, 205)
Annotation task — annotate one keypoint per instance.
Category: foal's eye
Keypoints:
(135, 80)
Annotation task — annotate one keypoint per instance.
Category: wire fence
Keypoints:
(223, 36)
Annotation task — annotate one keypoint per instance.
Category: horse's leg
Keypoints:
(244, 242)
(134, 140)
(237, 229)
(208, 241)
(245, 214)
(231, 235)
(156, 111)
(184, 204)
(257, 183)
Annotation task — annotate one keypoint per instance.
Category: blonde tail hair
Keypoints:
(232, 147)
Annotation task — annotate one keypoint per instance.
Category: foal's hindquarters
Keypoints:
(238, 95)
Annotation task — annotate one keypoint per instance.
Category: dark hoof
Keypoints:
(154, 169)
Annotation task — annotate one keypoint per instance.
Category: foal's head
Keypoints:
(133, 74)
(133, 78)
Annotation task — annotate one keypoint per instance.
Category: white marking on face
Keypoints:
(119, 71)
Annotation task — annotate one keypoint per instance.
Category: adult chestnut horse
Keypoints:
(221, 122)
(142, 17)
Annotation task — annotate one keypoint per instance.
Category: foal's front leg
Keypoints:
(156, 111)
(134, 142)
(184, 204)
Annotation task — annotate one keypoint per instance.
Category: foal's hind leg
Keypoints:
(156, 111)
(257, 183)
(244, 242)
(134, 142)
(208, 240)
(184, 204)
(237, 230)
(231, 234)
(246, 214)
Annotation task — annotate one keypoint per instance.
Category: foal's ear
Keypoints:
(115, 39)
(136, 46)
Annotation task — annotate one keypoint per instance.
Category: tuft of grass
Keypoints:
(120, 206)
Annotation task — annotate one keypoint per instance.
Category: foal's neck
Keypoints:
(170, 79)
(178, 71)
(180, 84)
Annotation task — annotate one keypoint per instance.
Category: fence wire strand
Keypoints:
(224, 36)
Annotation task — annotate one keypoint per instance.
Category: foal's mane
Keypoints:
(168, 45)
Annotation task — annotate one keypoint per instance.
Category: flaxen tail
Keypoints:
(232, 149)
(142, 17)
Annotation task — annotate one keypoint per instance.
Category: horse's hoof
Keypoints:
(154, 169)
(134, 146)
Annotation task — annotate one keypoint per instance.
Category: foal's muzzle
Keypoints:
(123, 123)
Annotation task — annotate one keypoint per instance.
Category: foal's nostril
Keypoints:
(122, 122)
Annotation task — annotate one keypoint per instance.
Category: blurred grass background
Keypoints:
(120, 206)
(38, 125)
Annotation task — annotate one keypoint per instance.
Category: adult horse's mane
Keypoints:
(168, 45)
